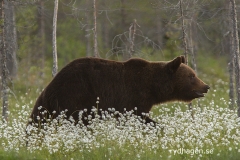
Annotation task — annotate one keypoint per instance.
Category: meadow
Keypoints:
(209, 131)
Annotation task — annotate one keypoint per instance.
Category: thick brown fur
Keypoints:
(134, 83)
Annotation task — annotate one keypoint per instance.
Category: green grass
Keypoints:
(209, 131)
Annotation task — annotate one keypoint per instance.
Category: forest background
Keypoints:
(154, 30)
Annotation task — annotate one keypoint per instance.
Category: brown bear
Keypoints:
(120, 85)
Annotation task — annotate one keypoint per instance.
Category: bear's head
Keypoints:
(186, 85)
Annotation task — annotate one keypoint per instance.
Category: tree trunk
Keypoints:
(131, 38)
(10, 38)
(4, 73)
(55, 60)
(10, 44)
(88, 36)
(231, 81)
(184, 33)
(236, 52)
(95, 45)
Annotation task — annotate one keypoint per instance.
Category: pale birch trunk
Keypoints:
(231, 60)
(88, 37)
(95, 45)
(55, 60)
(10, 39)
(4, 74)
(131, 38)
(184, 33)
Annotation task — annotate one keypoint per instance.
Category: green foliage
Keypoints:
(69, 42)
(26, 26)
(158, 20)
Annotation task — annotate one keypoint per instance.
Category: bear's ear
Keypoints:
(183, 59)
(174, 64)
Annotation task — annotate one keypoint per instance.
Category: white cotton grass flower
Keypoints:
(97, 102)
(40, 107)
(211, 127)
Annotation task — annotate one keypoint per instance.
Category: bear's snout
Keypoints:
(207, 87)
